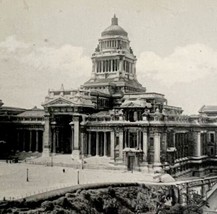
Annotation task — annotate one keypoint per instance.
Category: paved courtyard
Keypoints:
(42, 178)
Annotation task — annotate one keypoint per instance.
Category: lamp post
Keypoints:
(51, 156)
(82, 161)
(78, 177)
(27, 175)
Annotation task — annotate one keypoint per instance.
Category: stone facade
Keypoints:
(112, 115)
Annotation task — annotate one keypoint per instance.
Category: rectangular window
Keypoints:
(212, 137)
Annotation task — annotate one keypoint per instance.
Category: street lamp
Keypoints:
(78, 177)
(82, 161)
(51, 156)
(27, 175)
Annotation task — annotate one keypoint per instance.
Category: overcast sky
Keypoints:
(46, 43)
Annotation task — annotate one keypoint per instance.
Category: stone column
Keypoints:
(112, 134)
(97, 143)
(57, 138)
(76, 139)
(105, 144)
(36, 140)
(54, 141)
(156, 148)
(72, 140)
(95, 66)
(174, 139)
(53, 134)
(134, 70)
(46, 136)
(164, 138)
(30, 140)
(197, 148)
(145, 145)
(82, 144)
(125, 139)
(111, 65)
(24, 140)
(121, 67)
(101, 66)
(121, 144)
(164, 147)
(138, 139)
(18, 140)
(128, 141)
(89, 144)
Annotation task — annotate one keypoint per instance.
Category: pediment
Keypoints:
(130, 104)
(59, 102)
(136, 104)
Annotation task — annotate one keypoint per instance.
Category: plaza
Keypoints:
(42, 178)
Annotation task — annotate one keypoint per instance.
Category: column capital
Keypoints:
(76, 119)
(196, 130)
(53, 124)
(144, 130)
(71, 123)
(155, 130)
(157, 134)
(118, 130)
(46, 115)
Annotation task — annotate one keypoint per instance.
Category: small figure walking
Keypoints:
(64, 170)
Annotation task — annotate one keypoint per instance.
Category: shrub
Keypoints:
(47, 205)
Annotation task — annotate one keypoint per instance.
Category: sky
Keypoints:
(44, 44)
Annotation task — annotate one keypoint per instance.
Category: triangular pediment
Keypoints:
(130, 104)
(60, 102)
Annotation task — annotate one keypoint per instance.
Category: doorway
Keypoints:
(131, 160)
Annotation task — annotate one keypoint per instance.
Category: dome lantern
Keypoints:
(114, 20)
(114, 29)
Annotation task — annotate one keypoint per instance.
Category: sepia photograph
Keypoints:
(108, 106)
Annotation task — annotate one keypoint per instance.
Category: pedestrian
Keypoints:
(64, 170)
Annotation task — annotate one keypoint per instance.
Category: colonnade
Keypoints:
(112, 43)
(111, 65)
(29, 140)
(181, 144)
(113, 143)
(107, 65)
(99, 144)
(109, 142)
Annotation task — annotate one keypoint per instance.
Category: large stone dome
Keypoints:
(114, 29)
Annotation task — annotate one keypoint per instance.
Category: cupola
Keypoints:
(114, 29)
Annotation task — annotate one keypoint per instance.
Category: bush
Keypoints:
(111, 192)
(47, 205)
